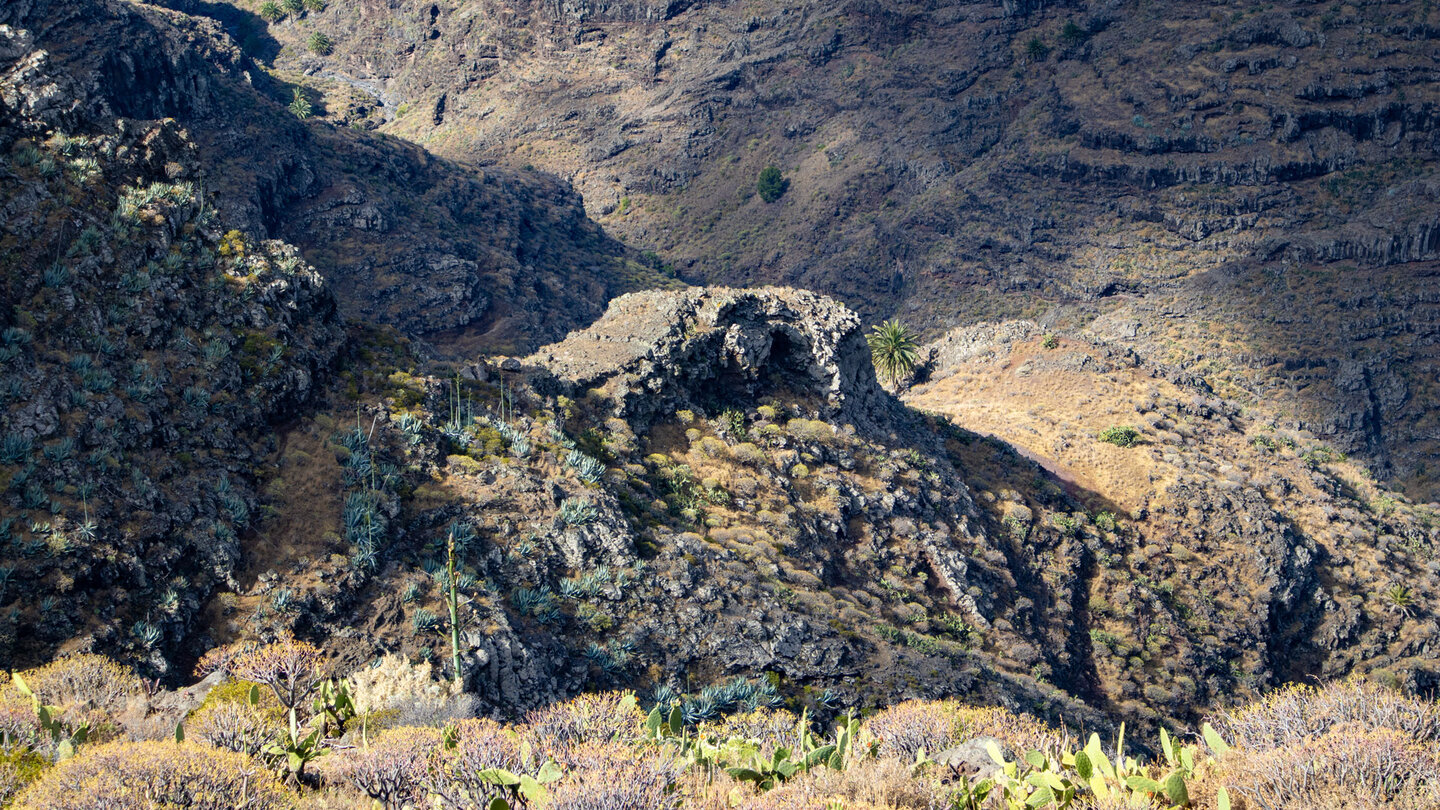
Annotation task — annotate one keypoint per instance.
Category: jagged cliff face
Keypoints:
(404, 238)
(1150, 160)
(656, 353)
(143, 358)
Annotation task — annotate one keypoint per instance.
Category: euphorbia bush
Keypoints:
(147, 775)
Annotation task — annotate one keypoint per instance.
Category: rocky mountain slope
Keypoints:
(702, 485)
(708, 483)
(1235, 536)
(144, 355)
(1172, 165)
(402, 237)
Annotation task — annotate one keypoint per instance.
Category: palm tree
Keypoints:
(894, 349)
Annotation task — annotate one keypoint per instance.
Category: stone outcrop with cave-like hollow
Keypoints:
(706, 348)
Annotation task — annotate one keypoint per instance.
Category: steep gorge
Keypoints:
(1175, 165)
(212, 434)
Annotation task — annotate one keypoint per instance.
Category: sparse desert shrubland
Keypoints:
(1350, 744)
(357, 466)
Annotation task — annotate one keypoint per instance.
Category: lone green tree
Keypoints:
(772, 184)
(894, 349)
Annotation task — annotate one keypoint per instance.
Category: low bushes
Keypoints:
(1352, 744)
(391, 769)
(146, 775)
(83, 680)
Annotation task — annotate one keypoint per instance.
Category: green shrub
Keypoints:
(733, 422)
(595, 618)
(1037, 50)
(771, 184)
(270, 11)
(1072, 34)
(300, 105)
(1050, 342)
(319, 44)
(810, 430)
(18, 767)
(156, 774)
(1120, 436)
(1322, 455)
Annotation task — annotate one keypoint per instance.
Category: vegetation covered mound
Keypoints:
(1353, 744)
(146, 348)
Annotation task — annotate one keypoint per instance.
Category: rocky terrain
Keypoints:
(299, 337)
(710, 484)
(1171, 167)
(1232, 534)
(701, 485)
(402, 237)
(146, 354)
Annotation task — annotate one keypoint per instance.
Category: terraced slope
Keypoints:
(1187, 167)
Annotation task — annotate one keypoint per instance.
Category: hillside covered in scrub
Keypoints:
(397, 742)
(1248, 190)
(348, 454)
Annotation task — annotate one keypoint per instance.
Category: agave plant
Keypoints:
(577, 511)
(1399, 599)
(589, 468)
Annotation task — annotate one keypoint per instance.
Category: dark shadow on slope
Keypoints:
(404, 238)
(250, 31)
(990, 464)
(1355, 348)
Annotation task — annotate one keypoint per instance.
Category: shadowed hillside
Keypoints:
(966, 161)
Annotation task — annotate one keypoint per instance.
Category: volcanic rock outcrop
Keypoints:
(663, 352)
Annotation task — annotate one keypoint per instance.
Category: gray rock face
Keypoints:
(605, 11)
(980, 341)
(971, 760)
(660, 352)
